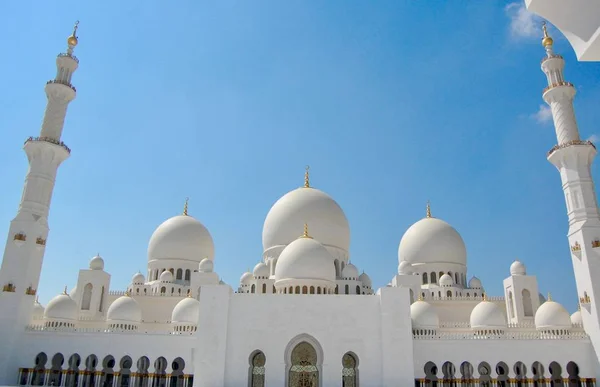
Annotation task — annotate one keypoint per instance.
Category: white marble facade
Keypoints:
(305, 315)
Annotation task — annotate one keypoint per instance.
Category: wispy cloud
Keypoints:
(543, 115)
(523, 24)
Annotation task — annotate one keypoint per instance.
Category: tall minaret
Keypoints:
(573, 158)
(28, 232)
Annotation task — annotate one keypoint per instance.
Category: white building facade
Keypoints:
(305, 315)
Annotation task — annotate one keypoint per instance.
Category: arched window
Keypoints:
(347, 289)
(466, 374)
(433, 278)
(89, 377)
(502, 371)
(125, 372)
(304, 289)
(527, 306)
(179, 274)
(87, 297)
(163, 290)
(312, 290)
(107, 375)
(264, 288)
(141, 379)
(520, 374)
(160, 372)
(357, 289)
(73, 366)
(55, 377)
(303, 370)
(187, 274)
(257, 369)
(484, 369)
(537, 369)
(349, 371)
(573, 371)
(424, 278)
(297, 289)
(101, 305)
(556, 374)
(431, 371)
(39, 370)
(448, 371)
(177, 376)
(449, 293)
(253, 289)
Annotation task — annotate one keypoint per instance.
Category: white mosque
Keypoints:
(305, 316)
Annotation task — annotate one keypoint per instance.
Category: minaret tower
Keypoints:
(28, 232)
(573, 158)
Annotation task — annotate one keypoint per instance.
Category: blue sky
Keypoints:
(392, 103)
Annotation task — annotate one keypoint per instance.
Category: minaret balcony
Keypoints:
(65, 55)
(557, 84)
(59, 82)
(553, 56)
(570, 143)
(51, 141)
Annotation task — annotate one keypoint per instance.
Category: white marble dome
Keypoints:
(261, 270)
(246, 278)
(166, 276)
(576, 318)
(97, 263)
(552, 315)
(38, 310)
(327, 221)
(517, 268)
(138, 279)
(206, 266)
(305, 258)
(446, 281)
(487, 315)
(61, 307)
(187, 311)
(365, 279)
(424, 315)
(404, 268)
(350, 272)
(432, 240)
(125, 309)
(475, 283)
(183, 238)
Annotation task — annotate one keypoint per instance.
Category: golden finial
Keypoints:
(306, 177)
(72, 40)
(185, 207)
(485, 297)
(65, 291)
(305, 233)
(428, 210)
(127, 293)
(547, 41)
(189, 294)
(420, 297)
(549, 297)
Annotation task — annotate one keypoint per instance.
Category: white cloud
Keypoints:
(543, 115)
(523, 24)
(594, 138)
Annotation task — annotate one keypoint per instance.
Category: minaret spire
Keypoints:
(428, 210)
(185, 207)
(307, 177)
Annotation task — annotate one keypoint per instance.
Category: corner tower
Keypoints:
(573, 158)
(28, 232)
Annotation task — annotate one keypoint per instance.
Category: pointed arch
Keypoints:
(256, 370)
(86, 299)
(527, 305)
(349, 370)
(318, 354)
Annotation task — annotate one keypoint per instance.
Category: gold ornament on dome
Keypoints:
(72, 40)
(547, 41)
(307, 177)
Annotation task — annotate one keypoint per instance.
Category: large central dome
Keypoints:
(327, 221)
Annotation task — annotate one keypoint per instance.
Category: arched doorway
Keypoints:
(303, 371)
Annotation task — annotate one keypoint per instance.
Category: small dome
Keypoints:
(432, 240)
(305, 258)
(365, 279)
(187, 311)
(166, 276)
(138, 279)
(487, 315)
(475, 283)
(350, 272)
(97, 263)
(576, 318)
(206, 266)
(424, 315)
(552, 315)
(325, 217)
(404, 268)
(183, 238)
(247, 278)
(517, 268)
(124, 308)
(38, 310)
(61, 307)
(261, 271)
(446, 281)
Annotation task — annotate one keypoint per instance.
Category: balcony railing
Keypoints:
(553, 85)
(569, 143)
(50, 140)
(553, 56)
(69, 56)
(61, 83)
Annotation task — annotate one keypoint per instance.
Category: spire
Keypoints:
(72, 40)
(547, 41)
(420, 297)
(305, 233)
(428, 210)
(307, 177)
(185, 207)
(549, 297)
(65, 291)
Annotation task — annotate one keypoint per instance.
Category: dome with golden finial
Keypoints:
(547, 41)
(72, 40)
